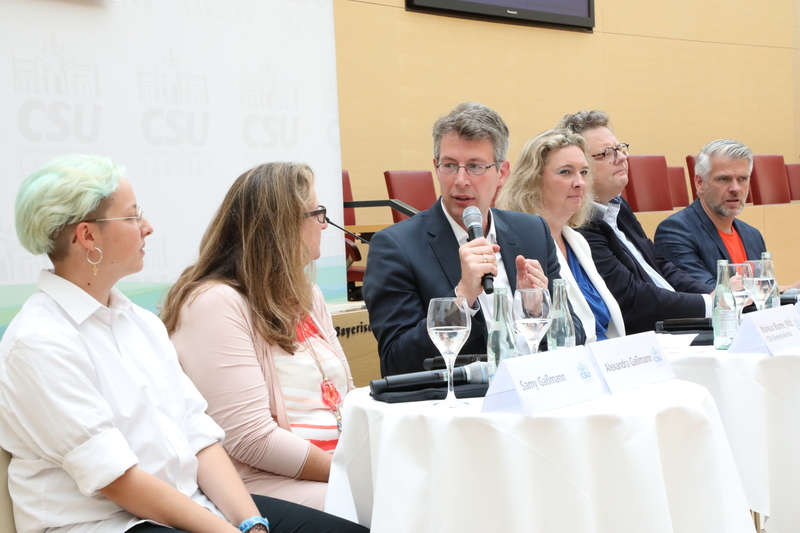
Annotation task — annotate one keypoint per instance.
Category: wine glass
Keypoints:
(740, 294)
(532, 315)
(758, 283)
(449, 324)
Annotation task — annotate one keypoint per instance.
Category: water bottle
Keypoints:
(725, 316)
(774, 300)
(562, 331)
(502, 341)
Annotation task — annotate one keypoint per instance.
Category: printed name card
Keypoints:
(631, 362)
(536, 383)
(773, 331)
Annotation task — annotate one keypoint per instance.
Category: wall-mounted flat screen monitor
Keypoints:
(572, 13)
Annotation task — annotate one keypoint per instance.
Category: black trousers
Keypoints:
(284, 517)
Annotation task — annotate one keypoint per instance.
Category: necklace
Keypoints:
(331, 396)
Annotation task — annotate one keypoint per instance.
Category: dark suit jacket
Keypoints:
(642, 302)
(691, 241)
(417, 259)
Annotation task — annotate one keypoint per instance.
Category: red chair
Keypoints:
(355, 273)
(648, 183)
(793, 173)
(677, 186)
(690, 161)
(414, 187)
(768, 182)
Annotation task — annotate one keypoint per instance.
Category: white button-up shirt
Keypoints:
(86, 392)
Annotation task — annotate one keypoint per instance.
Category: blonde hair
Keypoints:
(254, 244)
(523, 189)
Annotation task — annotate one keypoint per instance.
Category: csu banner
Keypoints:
(187, 95)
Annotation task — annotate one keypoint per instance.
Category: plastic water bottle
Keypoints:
(725, 316)
(562, 331)
(774, 300)
(502, 341)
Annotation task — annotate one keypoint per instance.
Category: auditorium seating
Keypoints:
(677, 186)
(648, 183)
(768, 182)
(414, 187)
(690, 161)
(355, 273)
(6, 514)
(793, 173)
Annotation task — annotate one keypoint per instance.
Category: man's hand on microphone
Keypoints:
(477, 259)
(530, 274)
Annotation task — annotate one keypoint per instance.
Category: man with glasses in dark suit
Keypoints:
(429, 255)
(647, 286)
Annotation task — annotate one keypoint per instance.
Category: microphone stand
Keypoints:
(359, 237)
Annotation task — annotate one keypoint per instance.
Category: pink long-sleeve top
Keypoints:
(233, 368)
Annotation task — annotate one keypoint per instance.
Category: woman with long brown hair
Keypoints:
(253, 333)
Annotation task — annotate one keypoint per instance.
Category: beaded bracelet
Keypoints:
(256, 523)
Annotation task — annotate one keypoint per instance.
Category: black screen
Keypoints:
(574, 13)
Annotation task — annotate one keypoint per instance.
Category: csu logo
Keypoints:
(59, 121)
(584, 370)
(267, 131)
(174, 127)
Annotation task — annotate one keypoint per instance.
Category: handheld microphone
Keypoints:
(359, 237)
(473, 220)
(477, 372)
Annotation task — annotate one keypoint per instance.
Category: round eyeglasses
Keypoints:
(611, 152)
(472, 169)
(318, 213)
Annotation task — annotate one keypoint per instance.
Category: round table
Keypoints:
(758, 397)
(653, 459)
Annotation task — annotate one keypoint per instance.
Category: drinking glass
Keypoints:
(758, 283)
(449, 324)
(741, 295)
(531, 313)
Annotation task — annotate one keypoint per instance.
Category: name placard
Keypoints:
(536, 383)
(631, 362)
(771, 331)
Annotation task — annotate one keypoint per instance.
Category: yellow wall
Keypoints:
(672, 75)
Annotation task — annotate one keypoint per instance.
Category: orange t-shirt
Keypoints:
(733, 243)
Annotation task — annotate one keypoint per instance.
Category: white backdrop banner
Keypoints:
(187, 95)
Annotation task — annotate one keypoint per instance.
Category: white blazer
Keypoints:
(576, 241)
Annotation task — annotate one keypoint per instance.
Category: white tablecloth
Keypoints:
(652, 460)
(758, 397)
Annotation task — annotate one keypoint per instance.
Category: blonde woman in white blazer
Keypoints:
(553, 178)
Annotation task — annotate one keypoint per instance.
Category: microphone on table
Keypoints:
(359, 237)
(477, 372)
(473, 220)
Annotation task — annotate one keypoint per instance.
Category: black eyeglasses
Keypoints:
(472, 169)
(319, 214)
(611, 151)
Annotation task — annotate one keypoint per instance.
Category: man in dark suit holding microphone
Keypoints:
(430, 254)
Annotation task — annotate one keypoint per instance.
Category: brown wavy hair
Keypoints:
(254, 245)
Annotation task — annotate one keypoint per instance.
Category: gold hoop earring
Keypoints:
(93, 263)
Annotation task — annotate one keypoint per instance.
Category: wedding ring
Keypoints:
(485, 258)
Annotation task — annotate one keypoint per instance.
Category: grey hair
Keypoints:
(473, 122)
(725, 148)
(584, 120)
